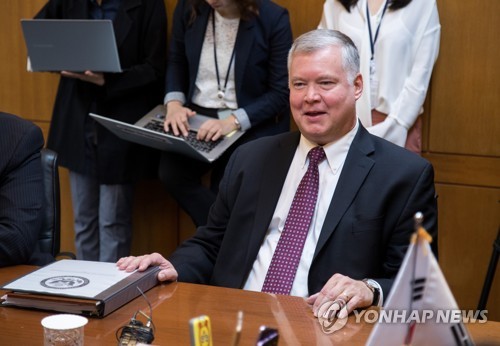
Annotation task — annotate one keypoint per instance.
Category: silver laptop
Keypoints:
(149, 131)
(73, 45)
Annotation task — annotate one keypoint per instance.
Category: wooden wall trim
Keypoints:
(466, 170)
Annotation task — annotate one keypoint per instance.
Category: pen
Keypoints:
(239, 324)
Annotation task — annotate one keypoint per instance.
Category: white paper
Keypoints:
(70, 277)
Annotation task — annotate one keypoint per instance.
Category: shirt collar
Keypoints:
(336, 151)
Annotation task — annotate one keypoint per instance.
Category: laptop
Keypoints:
(73, 45)
(149, 131)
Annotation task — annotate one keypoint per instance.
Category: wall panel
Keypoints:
(304, 16)
(464, 145)
(468, 224)
(27, 94)
(465, 87)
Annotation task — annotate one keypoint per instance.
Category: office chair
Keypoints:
(488, 281)
(50, 234)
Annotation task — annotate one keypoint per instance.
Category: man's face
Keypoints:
(322, 100)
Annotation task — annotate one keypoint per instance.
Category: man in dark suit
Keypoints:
(21, 192)
(369, 191)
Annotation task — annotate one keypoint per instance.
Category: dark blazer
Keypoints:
(140, 30)
(21, 192)
(366, 231)
(261, 76)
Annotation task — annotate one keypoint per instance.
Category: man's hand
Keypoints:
(88, 76)
(167, 271)
(340, 295)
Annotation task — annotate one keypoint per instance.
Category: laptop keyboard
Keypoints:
(157, 126)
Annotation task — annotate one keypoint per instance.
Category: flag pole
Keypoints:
(418, 219)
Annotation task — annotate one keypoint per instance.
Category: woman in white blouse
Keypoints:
(398, 47)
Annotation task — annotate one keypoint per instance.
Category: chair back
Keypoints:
(50, 234)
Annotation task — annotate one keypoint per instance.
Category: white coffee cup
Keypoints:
(63, 330)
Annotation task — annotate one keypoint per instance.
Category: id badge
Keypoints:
(373, 85)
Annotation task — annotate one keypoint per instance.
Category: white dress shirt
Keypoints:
(329, 173)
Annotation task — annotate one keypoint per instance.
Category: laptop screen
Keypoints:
(71, 45)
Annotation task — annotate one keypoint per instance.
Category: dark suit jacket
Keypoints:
(140, 30)
(260, 64)
(366, 231)
(21, 192)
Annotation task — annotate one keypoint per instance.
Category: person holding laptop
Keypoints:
(227, 60)
(102, 167)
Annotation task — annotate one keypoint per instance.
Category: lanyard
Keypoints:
(368, 19)
(222, 91)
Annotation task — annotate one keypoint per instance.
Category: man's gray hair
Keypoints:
(319, 39)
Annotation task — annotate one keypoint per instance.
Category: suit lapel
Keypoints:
(356, 167)
(276, 166)
(194, 37)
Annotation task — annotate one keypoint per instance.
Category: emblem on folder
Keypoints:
(64, 282)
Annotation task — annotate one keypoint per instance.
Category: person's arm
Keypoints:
(194, 260)
(21, 199)
(274, 101)
(407, 106)
(96, 78)
(177, 78)
(356, 293)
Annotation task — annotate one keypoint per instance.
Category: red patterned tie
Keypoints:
(286, 258)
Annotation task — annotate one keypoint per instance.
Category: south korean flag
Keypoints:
(420, 291)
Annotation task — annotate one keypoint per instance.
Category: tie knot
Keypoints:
(316, 155)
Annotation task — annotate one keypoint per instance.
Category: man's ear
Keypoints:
(358, 86)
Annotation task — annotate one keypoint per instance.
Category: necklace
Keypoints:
(222, 89)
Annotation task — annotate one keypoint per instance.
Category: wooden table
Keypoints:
(175, 303)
